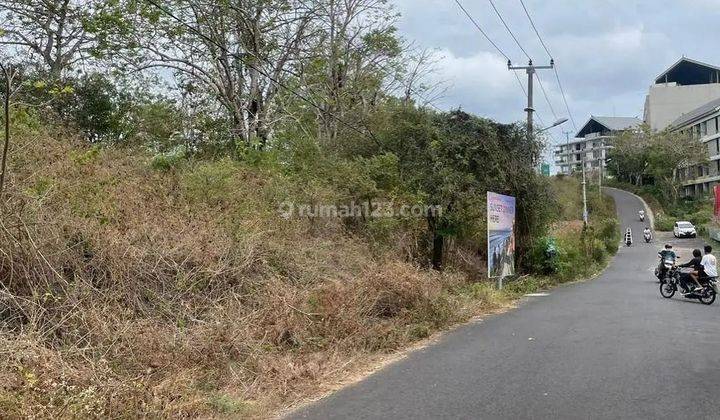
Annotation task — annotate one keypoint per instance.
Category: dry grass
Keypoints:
(127, 292)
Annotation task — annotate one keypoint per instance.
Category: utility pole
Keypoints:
(585, 212)
(567, 150)
(530, 70)
(600, 173)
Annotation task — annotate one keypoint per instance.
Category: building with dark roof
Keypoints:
(683, 87)
(591, 143)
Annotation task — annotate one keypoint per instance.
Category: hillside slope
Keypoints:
(130, 290)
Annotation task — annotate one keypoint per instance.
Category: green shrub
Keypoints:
(598, 251)
(169, 160)
(700, 217)
(664, 223)
(610, 235)
(210, 182)
(544, 256)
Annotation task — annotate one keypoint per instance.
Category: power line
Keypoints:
(562, 92)
(497, 12)
(530, 69)
(501, 52)
(547, 99)
(547, 50)
(481, 30)
(535, 29)
(241, 57)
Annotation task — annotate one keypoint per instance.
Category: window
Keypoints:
(703, 128)
(717, 126)
(717, 167)
(717, 145)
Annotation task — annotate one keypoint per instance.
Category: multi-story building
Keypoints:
(702, 124)
(591, 143)
(685, 86)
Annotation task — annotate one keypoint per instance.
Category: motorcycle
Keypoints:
(668, 271)
(647, 236)
(642, 216)
(628, 237)
(706, 295)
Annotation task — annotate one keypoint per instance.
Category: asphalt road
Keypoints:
(604, 349)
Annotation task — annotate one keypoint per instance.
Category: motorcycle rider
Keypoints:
(642, 214)
(665, 254)
(698, 271)
(628, 237)
(647, 233)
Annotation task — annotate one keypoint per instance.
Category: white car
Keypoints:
(684, 230)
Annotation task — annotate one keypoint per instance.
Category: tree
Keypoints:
(452, 159)
(648, 157)
(240, 52)
(355, 50)
(56, 31)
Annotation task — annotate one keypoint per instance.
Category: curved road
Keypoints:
(604, 349)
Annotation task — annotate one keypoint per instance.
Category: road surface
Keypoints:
(604, 349)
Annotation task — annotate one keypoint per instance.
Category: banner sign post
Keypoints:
(501, 236)
(717, 201)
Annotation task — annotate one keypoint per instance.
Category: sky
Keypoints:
(607, 52)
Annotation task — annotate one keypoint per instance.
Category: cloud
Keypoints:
(607, 52)
(480, 83)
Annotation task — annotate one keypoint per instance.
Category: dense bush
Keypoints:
(580, 251)
(664, 223)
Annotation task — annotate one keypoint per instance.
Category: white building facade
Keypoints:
(685, 86)
(702, 124)
(591, 144)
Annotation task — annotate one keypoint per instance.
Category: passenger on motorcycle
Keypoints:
(698, 271)
(709, 262)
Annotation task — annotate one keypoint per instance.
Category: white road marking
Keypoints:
(537, 294)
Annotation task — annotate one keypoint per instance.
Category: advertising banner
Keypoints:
(717, 201)
(501, 235)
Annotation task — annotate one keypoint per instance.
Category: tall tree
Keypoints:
(356, 51)
(239, 51)
(55, 31)
(645, 156)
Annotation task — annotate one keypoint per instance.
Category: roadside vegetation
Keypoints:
(161, 251)
(647, 164)
(580, 252)
(136, 289)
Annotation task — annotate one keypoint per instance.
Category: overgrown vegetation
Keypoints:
(581, 251)
(133, 290)
(177, 290)
(161, 251)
